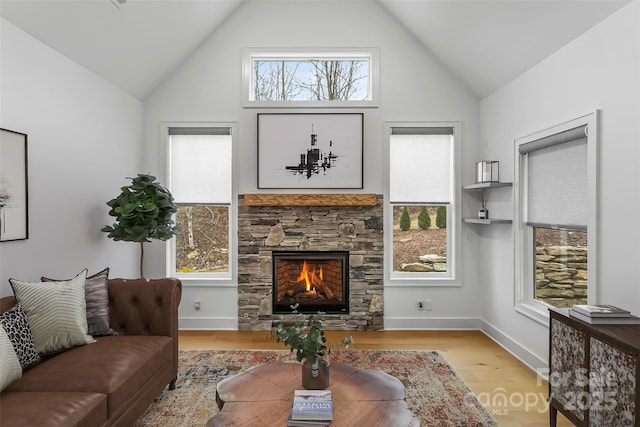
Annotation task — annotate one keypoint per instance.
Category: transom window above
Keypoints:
(317, 78)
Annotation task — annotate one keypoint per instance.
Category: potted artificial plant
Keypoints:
(143, 211)
(306, 338)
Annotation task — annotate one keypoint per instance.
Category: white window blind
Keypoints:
(200, 165)
(421, 165)
(557, 180)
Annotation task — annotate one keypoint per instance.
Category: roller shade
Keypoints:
(422, 131)
(200, 165)
(557, 180)
(199, 131)
(420, 161)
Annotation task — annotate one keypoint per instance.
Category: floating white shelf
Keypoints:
(480, 188)
(487, 221)
(486, 186)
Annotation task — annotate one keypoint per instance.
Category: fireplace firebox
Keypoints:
(315, 280)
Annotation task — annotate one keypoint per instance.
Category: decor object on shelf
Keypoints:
(487, 171)
(14, 212)
(306, 338)
(483, 213)
(143, 211)
(310, 150)
(480, 190)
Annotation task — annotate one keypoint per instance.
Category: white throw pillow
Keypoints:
(56, 312)
(10, 369)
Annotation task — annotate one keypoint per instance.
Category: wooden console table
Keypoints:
(593, 372)
(263, 395)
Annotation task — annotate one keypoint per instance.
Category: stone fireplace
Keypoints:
(314, 280)
(350, 234)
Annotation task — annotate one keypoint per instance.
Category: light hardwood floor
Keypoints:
(514, 394)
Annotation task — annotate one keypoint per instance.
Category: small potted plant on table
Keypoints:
(306, 338)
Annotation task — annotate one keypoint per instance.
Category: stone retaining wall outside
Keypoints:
(561, 275)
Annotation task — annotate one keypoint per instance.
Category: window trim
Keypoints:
(251, 54)
(227, 279)
(453, 277)
(524, 268)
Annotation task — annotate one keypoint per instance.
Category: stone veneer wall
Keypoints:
(562, 275)
(357, 229)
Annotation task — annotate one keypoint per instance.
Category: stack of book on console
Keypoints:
(311, 408)
(603, 315)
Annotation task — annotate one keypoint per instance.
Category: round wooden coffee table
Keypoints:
(263, 395)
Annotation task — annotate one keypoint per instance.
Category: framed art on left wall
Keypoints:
(14, 212)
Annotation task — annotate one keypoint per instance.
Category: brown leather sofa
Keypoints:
(110, 382)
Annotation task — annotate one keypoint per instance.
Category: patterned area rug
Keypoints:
(434, 391)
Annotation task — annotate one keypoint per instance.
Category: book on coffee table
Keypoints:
(312, 405)
(306, 423)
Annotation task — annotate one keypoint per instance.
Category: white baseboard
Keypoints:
(520, 352)
(422, 323)
(526, 356)
(207, 323)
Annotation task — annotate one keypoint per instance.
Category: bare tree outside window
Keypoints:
(336, 80)
(276, 80)
(304, 80)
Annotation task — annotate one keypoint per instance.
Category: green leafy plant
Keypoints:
(306, 337)
(143, 211)
(424, 220)
(441, 217)
(405, 220)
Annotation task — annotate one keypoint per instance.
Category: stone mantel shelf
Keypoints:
(262, 199)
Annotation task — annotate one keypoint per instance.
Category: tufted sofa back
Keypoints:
(143, 306)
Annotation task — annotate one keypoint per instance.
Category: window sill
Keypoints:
(534, 312)
(409, 282)
(206, 281)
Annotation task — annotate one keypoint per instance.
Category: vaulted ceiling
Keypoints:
(485, 43)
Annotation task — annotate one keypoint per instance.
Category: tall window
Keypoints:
(200, 179)
(337, 77)
(421, 204)
(556, 174)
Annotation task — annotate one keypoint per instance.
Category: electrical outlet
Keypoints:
(196, 304)
(420, 304)
(428, 305)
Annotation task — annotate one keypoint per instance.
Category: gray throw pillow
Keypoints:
(97, 299)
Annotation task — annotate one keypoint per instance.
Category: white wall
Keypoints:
(599, 70)
(414, 87)
(84, 138)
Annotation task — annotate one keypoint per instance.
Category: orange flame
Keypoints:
(310, 277)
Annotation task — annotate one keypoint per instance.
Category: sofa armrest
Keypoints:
(145, 306)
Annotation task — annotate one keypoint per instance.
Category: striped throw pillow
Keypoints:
(10, 369)
(56, 312)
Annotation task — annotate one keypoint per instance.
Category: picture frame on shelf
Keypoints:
(14, 200)
(308, 151)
